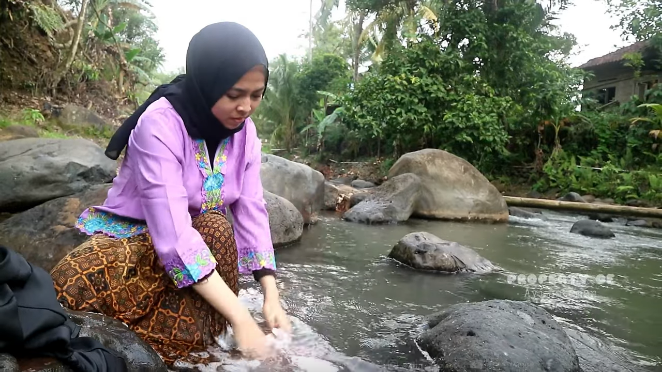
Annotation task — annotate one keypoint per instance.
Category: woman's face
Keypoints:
(240, 101)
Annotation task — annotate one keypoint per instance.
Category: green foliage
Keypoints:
(421, 98)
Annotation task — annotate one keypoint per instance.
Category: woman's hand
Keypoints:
(272, 311)
(250, 339)
(275, 316)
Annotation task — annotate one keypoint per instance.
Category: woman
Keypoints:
(162, 257)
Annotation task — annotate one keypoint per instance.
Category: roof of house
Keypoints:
(616, 56)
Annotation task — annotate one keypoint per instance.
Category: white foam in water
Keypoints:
(303, 350)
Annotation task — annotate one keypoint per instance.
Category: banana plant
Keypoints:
(656, 121)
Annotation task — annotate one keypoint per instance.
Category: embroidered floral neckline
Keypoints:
(212, 185)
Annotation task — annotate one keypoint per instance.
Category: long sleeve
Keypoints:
(251, 220)
(157, 149)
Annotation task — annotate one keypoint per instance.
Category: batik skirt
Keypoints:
(123, 279)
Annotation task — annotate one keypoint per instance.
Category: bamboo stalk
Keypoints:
(583, 207)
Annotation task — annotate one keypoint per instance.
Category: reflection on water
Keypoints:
(356, 310)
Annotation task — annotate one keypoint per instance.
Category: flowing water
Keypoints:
(356, 310)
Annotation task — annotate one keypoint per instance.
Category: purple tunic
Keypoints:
(166, 178)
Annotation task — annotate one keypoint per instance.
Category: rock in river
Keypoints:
(300, 184)
(498, 336)
(285, 221)
(392, 201)
(36, 170)
(422, 250)
(592, 228)
(451, 188)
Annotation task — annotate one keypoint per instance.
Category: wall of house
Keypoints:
(622, 79)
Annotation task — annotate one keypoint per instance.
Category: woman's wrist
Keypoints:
(269, 288)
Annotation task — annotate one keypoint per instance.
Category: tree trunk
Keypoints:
(583, 207)
(74, 45)
(358, 30)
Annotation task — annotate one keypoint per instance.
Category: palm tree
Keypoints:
(280, 109)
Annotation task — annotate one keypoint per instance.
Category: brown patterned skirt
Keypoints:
(123, 279)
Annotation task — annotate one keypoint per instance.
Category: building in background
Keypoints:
(614, 79)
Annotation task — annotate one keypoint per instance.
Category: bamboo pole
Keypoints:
(583, 207)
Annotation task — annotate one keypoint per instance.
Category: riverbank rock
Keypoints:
(392, 201)
(597, 355)
(600, 217)
(498, 335)
(285, 221)
(523, 213)
(424, 251)
(452, 188)
(361, 184)
(36, 170)
(46, 233)
(572, 197)
(592, 228)
(300, 184)
(333, 193)
(111, 333)
(72, 116)
(13, 132)
(650, 223)
(115, 335)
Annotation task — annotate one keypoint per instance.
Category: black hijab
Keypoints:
(217, 57)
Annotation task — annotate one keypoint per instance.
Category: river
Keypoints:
(355, 309)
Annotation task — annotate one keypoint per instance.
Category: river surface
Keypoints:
(354, 309)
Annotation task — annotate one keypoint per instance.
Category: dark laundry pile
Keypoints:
(34, 324)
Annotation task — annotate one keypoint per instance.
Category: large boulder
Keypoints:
(393, 201)
(452, 188)
(46, 233)
(300, 184)
(36, 170)
(424, 251)
(496, 336)
(72, 116)
(285, 220)
(114, 335)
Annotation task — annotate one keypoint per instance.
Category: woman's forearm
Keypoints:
(217, 293)
(269, 287)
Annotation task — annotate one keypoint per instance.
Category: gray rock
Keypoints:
(451, 188)
(422, 250)
(334, 191)
(498, 336)
(13, 132)
(572, 197)
(654, 223)
(600, 217)
(36, 170)
(285, 221)
(523, 213)
(300, 184)
(361, 184)
(600, 356)
(46, 233)
(591, 228)
(114, 335)
(393, 201)
(77, 117)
